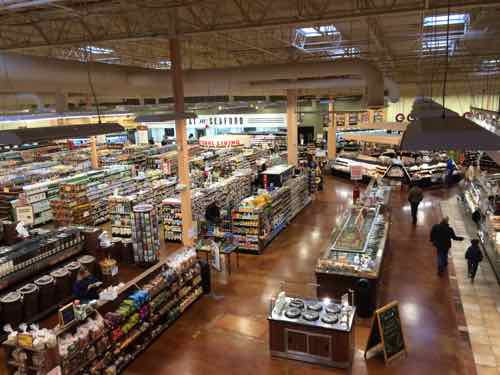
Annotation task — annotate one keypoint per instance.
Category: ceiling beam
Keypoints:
(223, 24)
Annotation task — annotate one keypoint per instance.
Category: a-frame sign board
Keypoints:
(386, 333)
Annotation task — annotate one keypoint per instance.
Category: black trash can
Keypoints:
(205, 277)
(364, 306)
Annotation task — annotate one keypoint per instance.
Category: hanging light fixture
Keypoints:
(163, 117)
(50, 133)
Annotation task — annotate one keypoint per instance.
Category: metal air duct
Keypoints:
(19, 73)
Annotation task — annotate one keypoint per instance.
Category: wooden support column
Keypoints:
(181, 141)
(94, 160)
(291, 112)
(332, 131)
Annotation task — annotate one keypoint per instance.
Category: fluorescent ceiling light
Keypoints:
(344, 52)
(164, 117)
(108, 59)
(8, 4)
(491, 62)
(97, 50)
(430, 45)
(442, 20)
(165, 64)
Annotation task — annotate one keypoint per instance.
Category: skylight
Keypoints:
(318, 31)
(489, 65)
(317, 39)
(442, 20)
(97, 50)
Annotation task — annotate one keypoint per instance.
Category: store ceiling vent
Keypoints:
(51, 133)
(164, 117)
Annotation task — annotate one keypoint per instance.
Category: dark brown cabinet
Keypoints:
(311, 344)
(320, 345)
(296, 341)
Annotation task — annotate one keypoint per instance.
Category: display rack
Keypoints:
(28, 257)
(120, 207)
(172, 219)
(109, 338)
(145, 234)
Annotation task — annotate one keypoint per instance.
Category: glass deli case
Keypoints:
(357, 244)
(353, 258)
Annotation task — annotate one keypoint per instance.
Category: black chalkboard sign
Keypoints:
(387, 333)
(66, 314)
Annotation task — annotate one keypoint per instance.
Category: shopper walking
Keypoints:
(474, 257)
(415, 196)
(441, 236)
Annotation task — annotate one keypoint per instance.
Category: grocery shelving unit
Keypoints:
(250, 227)
(281, 208)
(299, 191)
(172, 219)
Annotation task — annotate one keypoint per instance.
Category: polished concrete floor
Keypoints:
(229, 335)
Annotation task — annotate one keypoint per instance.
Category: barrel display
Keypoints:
(89, 262)
(64, 287)
(109, 271)
(30, 294)
(12, 308)
(73, 269)
(47, 292)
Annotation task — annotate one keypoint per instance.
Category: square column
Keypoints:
(332, 132)
(181, 141)
(291, 114)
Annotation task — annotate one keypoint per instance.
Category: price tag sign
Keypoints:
(66, 314)
(25, 340)
(25, 214)
(356, 172)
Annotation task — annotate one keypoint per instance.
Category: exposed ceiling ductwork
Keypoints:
(20, 73)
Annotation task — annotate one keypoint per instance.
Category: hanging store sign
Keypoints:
(251, 120)
(225, 141)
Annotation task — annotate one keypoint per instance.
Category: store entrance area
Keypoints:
(229, 334)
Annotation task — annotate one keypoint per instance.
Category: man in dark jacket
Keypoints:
(415, 196)
(441, 236)
(474, 257)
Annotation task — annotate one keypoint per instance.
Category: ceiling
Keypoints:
(221, 33)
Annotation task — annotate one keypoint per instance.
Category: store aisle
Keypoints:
(229, 336)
